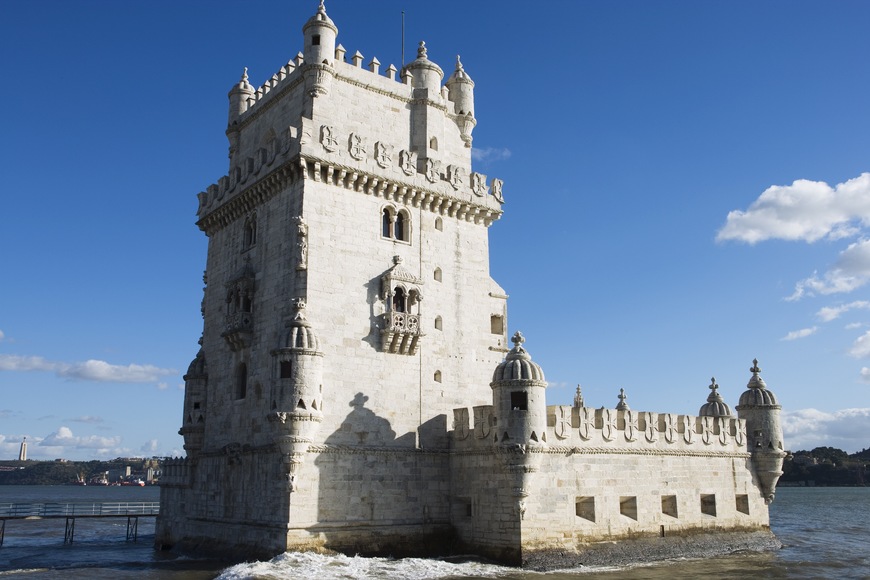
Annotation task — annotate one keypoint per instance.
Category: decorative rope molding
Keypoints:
(354, 450)
(568, 451)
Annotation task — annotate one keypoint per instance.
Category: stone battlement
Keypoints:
(610, 430)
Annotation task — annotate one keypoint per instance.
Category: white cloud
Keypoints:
(2, 336)
(861, 346)
(809, 428)
(829, 313)
(162, 385)
(149, 446)
(802, 333)
(88, 419)
(805, 210)
(853, 325)
(488, 154)
(865, 374)
(90, 370)
(851, 271)
(64, 438)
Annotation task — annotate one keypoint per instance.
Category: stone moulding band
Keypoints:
(348, 178)
(568, 451)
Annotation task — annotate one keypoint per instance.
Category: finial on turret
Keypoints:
(578, 398)
(245, 75)
(713, 386)
(755, 368)
(622, 405)
(458, 63)
(421, 50)
(518, 339)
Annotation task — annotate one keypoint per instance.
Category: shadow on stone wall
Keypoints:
(378, 493)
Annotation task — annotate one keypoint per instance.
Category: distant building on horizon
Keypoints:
(356, 390)
(22, 452)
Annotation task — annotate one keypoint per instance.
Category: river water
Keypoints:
(825, 532)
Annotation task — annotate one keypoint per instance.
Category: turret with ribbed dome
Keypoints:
(760, 408)
(518, 397)
(195, 392)
(297, 394)
(715, 405)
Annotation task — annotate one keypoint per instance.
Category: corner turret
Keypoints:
(320, 33)
(518, 398)
(239, 95)
(297, 394)
(461, 93)
(425, 73)
(195, 392)
(759, 407)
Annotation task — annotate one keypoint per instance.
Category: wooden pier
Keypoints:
(132, 510)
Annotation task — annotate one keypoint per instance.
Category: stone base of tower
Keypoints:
(702, 544)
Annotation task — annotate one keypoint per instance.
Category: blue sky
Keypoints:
(686, 189)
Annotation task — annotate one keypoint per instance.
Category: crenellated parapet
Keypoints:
(175, 472)
(643, 432)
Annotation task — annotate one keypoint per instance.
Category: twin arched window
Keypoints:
(395, 224)
(403, 301)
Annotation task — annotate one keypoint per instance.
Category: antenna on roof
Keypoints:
(403, 39)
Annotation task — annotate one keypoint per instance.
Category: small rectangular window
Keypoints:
(743, 504)
(669, 505)
(496, 324)
(708, 504)
(315, 40)
(520, 401)
(584, 507)
(628, 506)
(196, 406)
(286, 369)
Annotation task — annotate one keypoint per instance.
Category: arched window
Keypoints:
(387, 223)
(433, 144)
(400, 226)
(437, 376)
(396, 224)
(400, 301)
(437, 323)
(437, 274)
(241, 381)
(439, 224)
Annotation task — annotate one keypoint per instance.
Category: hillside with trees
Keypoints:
(826, 466)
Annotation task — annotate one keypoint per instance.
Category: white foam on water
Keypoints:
(309, 566)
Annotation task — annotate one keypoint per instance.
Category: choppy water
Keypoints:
(826, 533)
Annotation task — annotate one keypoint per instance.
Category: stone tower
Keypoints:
(353, 389)
(348, 305)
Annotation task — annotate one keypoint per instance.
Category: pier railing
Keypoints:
(60, 510)
(132, 510)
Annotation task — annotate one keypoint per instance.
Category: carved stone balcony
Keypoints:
(238, 330)
(400, 332)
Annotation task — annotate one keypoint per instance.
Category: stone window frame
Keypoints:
(396, 224)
